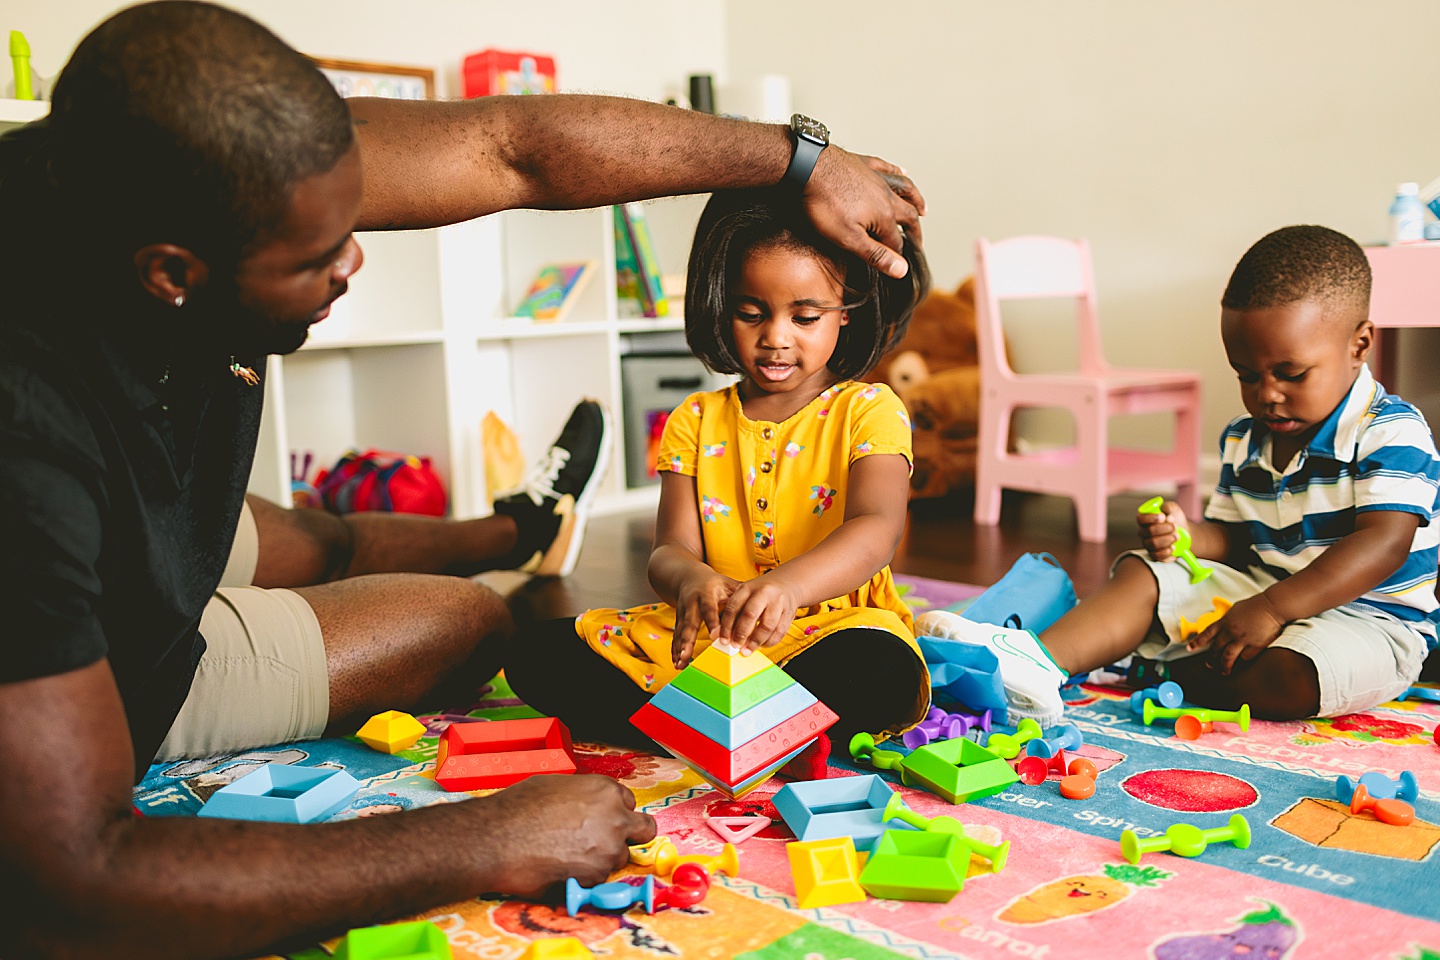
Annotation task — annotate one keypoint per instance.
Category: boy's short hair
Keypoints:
(188, 123)
(736, 222)
(1300, 263)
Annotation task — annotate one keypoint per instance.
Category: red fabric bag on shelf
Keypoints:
(388, 482)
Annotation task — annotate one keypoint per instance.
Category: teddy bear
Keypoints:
(935, 370)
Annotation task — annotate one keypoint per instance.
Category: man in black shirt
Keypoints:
(188, 208)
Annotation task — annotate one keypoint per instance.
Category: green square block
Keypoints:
(959, 770)
(421, 940)
(732, 701)
(917, 865)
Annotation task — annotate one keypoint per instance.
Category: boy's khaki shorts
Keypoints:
(1362, 658)
(262, 679)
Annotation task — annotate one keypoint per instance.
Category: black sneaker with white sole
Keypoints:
(551, 507)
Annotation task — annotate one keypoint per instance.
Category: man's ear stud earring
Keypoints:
(179, 300)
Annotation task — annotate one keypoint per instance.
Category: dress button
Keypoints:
(1287, 496)
(767, 433)
(766, 467)
(761, 504)
(765, 541)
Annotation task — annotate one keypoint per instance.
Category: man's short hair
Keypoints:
(187, 123)
(1301, 263)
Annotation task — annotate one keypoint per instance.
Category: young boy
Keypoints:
(1320, 531)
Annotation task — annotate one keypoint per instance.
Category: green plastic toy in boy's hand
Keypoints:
(1181, 547)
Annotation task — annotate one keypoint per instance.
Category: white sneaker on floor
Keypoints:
(1031, 679)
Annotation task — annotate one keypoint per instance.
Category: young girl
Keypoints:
(782, 497)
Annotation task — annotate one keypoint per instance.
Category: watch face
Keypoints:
(810, 129)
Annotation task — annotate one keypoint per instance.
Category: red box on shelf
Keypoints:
(497, 753)
(491, 72)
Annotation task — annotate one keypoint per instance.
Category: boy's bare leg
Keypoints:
(393, 639)
(1108, 625)
(1279, 684)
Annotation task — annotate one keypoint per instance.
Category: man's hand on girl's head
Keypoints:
(861, 203)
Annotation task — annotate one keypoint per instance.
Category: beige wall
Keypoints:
(1172, 134)
(638, 48)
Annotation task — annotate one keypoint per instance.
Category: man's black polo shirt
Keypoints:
(120, 485)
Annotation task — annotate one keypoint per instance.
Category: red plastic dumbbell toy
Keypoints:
(1395, 812)
(688, 886)
(1036, 770)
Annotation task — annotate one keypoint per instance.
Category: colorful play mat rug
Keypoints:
(1316, 882)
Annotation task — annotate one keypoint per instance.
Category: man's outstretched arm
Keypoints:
(80, 876)
(429, 163)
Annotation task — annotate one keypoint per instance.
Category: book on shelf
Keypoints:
(555, 290)
(637, 267)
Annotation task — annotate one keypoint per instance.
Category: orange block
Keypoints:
(489, 755)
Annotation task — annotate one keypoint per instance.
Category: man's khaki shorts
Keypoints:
(1362, 658)
(263, 678)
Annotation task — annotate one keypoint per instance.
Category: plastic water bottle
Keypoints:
(1407, 215)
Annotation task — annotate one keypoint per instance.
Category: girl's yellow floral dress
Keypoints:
(768, 492)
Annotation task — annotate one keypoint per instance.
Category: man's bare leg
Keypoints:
(305, 547)
(391, 640)
(1108, 625)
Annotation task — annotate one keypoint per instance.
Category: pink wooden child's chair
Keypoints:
(1051, 267)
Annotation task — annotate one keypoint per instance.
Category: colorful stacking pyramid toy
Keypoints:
(736, 720)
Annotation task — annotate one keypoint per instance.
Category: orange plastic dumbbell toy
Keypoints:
(1190, 728)
(1036, 770)
(1395, 812)
(726, 862)
(1077, 786)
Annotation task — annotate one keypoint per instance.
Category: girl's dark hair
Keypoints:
(737, 222)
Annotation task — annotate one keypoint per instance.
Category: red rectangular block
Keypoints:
(497, 753)
(734, 766)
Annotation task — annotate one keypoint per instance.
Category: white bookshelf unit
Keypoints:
(425, 344)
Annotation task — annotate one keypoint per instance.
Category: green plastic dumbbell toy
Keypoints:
(1185, 840)
(1008, 745)
(1181, 547)
(1151, 713)
(862, 747)
(996, 853)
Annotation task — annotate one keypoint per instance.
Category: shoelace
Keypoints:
(541, 481)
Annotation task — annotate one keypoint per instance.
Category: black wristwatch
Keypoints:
(811, 137)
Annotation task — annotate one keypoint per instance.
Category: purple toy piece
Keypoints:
(938, 725)
(981, 720)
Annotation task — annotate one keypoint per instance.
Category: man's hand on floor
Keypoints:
(554, 827)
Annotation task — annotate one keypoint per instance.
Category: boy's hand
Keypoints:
(1157, 530)
(1247, 628)
(758, 613)
(701, 598)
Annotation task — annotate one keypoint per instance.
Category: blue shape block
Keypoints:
(967, 672)
(731, 732)
(837, 807)
(283, 793)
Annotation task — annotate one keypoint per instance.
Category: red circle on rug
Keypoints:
(1191, 791)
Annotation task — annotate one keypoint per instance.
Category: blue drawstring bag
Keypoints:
(1034, 594)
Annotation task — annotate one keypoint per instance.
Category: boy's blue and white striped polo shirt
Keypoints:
(1374, 452)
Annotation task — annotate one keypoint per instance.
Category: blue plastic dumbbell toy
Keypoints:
(1379, 786)
(616, 895)
(1169, 694)
(1067, 736)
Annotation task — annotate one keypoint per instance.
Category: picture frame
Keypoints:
(361, 78)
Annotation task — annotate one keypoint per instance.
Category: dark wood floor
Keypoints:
(942, 542)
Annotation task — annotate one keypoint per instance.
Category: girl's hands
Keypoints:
(701, 598)
(1247, 628)
(757, 614)
(1157, 530)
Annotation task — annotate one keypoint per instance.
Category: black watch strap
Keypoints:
(807, 152)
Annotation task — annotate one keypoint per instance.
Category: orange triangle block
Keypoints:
(729, 668)
(737, 829)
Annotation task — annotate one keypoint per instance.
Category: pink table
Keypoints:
(1405, 293)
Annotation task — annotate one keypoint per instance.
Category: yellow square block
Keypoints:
(557, 948)
(826, 872)
(391, 731)
(730, 669)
